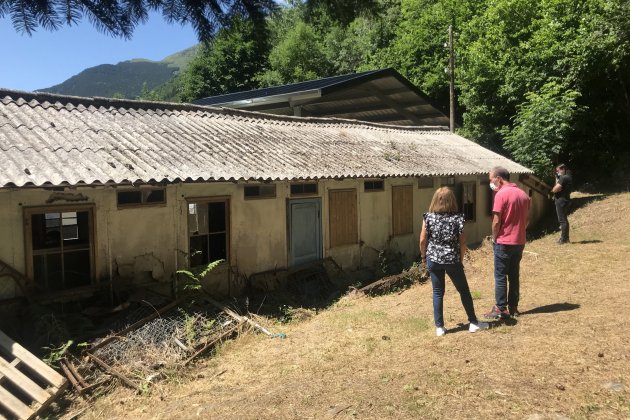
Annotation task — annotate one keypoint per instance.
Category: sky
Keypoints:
(49, 58)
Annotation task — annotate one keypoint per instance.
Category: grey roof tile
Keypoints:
(50, 139)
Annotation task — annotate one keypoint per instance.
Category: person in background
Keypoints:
(442, 248)
(510, 217)
(562, 196)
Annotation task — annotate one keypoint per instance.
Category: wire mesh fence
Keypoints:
(165, 342)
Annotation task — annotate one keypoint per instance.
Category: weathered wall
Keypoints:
(149, 243)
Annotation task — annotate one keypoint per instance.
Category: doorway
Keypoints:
(305, 232)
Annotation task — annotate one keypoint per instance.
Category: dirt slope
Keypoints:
(567, 356)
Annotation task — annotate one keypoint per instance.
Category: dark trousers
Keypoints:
(507, 261)
(458, 277)
(562, 209)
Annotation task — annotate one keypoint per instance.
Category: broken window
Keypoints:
(343, 217)
(59, 248)
(402, 210)
(208, 231)
(141, 196)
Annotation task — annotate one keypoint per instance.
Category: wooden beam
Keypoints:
(35, 364)
(14, 405)
(23, 382)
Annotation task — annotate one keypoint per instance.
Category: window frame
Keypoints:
(462, 194)
(260, 197)
(422, 186)
(373, 190)
(228, 226)
(304, 194)
(144, 194)
(29, 252)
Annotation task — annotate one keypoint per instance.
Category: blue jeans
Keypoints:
(507, 260)
(458, 277)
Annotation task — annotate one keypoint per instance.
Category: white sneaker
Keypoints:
(478, 326)
(440, 331)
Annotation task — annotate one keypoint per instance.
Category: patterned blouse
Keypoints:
(443, 231)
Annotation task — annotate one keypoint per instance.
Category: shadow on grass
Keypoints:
(549, 309)
(588, 241)
(549, 221)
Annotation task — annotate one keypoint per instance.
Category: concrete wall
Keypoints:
(149, 243)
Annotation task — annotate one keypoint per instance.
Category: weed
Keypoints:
(55, 354)
(475, 294)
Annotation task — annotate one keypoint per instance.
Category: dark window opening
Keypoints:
(141, 196)
(208, 230)
(425, 182)
(61, 247)
(260, 191)
(304, 188)
(377, 185)
(468, 201)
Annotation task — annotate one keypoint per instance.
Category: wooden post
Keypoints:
(451, 73)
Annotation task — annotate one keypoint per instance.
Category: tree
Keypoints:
(120, 17)
(227, 64)
(542, 128)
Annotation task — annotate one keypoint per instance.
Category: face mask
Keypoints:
(493, 187)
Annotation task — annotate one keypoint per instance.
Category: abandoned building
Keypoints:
(96, 192)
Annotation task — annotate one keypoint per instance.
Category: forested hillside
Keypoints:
(543, 81)
(127, 79)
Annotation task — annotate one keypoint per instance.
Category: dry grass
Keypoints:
(378, 357)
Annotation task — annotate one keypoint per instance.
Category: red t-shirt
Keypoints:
(513, 205)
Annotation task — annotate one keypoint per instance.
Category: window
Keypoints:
(208, 231)
(304, 188)
(425, 182)
(260, 191)
(142, 196)
(402, 210)
(342, 209)
(59, 247)
(468, 200)
(373, 185)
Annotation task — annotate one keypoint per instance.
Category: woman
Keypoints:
(442, 248)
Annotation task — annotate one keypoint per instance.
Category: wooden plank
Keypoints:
(23, 382)
(14, 405)
(402, 209)
(39, 367)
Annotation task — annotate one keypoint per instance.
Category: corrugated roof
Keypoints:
(48, 139)
(327, 82)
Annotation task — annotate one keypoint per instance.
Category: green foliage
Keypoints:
(194, 276)
(542, 126)
(229, 64)
(55, 354)
(297, 57)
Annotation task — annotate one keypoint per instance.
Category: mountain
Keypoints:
(126, 79)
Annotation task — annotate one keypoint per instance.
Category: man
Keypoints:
(510, 216)
(562, 191)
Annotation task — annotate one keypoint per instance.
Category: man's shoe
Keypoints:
(440, 331)
(497, 313)
(478, 326)
(562, 241)
(514, 313)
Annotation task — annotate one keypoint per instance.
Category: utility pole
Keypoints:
(451, 72)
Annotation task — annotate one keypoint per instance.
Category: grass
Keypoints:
(378, 357)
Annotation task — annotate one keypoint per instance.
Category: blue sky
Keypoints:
(48, 58)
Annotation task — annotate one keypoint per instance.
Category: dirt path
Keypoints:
(567, 356)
